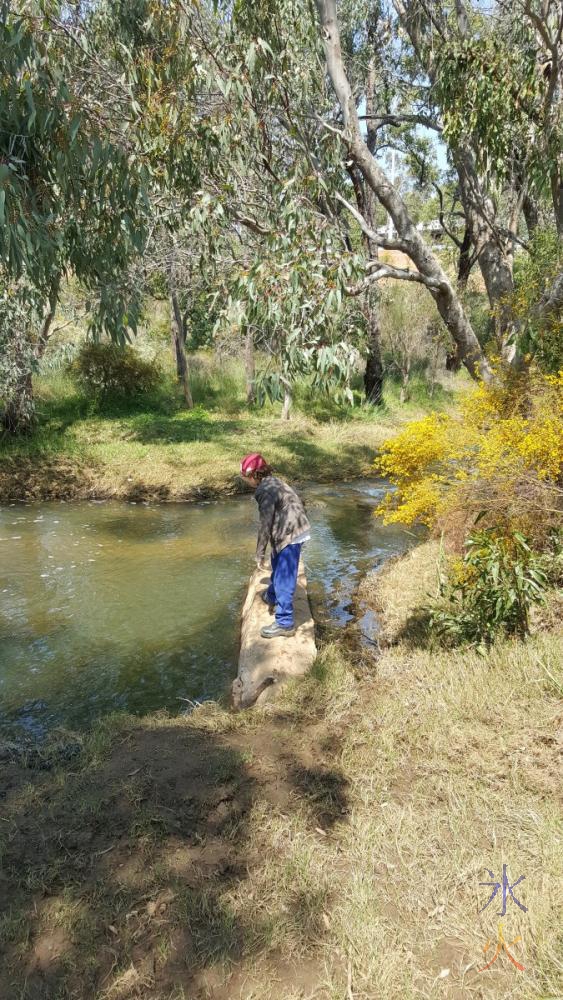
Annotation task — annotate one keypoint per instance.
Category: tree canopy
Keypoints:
(249, 144)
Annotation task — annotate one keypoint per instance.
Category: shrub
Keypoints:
(534, 272)
(499, 458)
(106, 369)
(492, 590)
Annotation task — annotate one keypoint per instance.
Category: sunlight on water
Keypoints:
(108, 606)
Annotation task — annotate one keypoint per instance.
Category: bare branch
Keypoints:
(371, 234)
(397, 120)
(387, 271)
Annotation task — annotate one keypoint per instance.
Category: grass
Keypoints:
(151, 448)
(329, 846)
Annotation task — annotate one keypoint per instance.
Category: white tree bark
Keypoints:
(287, 401)
(430, 271)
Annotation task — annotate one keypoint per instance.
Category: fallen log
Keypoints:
(264, 664)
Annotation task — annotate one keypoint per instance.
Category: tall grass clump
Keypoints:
(217, 384)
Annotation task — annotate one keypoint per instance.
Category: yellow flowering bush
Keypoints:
(500, 456)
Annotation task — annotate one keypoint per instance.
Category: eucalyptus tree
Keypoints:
(272, 180)
(429, 271)
(288, 183)
(68, 195)
(490, 80)
(91, 123)
(316, 154)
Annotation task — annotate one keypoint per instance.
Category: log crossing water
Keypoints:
(265, 664)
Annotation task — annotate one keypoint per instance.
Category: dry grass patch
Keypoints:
(463, 774)
(399, 590)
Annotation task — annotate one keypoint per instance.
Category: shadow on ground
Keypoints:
(183, 428)
(131, 872)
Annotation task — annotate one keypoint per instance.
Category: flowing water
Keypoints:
(112, 606)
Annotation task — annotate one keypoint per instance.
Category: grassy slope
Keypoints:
(328, 847)
(158, 450)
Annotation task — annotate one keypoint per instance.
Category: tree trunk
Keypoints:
(453, 364)
(181, 356)
(249, 367)
(178, 333)
(429, 268)
(373, 375)
(405, 392)
(19, 410)
(366, 202)
(175, 345)
(557, 197)
(465, 260)
(495, 259)
(48, 319)
(531, 214)
(287, 401)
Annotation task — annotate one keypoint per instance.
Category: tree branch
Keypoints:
(387, 271)
(371, 234)
(398, 120)
(430, 271)
(452, 236)
(251, 224)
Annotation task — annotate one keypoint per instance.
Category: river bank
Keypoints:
(329, 845)
(158, 451)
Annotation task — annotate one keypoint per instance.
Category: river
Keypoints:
(108, 606)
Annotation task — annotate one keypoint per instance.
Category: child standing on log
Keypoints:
(284, 524)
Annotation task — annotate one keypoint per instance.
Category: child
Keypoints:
(284, 524)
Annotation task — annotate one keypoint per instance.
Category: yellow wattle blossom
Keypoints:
(501, 453)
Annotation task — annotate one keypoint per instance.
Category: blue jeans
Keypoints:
(285, 566)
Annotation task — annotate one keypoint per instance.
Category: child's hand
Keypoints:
(261, 564)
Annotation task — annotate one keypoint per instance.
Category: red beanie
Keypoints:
(252, 463)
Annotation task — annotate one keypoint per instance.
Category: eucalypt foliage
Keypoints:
(292, 296)
(329, 368)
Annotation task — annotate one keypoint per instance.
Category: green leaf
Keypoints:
(74, 127)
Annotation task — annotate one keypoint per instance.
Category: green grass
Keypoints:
(151, 447)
